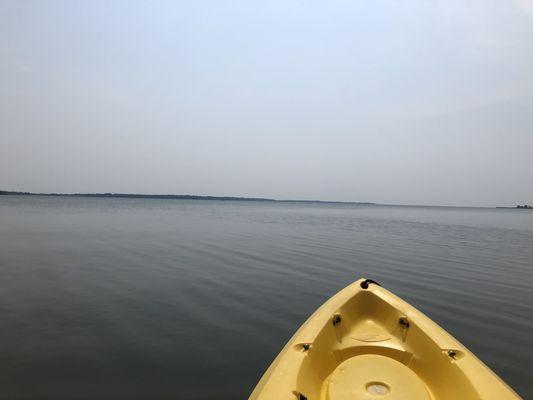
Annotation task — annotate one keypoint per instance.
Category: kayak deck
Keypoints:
(366, 343)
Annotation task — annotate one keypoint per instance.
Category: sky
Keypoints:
(396, 102)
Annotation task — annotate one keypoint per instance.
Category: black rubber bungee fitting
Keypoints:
(367, 282)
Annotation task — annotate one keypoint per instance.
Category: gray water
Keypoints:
(145, 299)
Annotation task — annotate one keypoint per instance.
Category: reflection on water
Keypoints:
(133, 298)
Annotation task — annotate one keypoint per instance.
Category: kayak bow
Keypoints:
(366, 343)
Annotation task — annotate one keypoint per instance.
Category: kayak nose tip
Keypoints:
(367, 282)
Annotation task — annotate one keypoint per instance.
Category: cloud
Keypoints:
(525, 5)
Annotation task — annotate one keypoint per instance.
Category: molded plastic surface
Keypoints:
(370, 344)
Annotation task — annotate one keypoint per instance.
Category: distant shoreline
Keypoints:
(524, 207)
(235, 198)
(174, 197)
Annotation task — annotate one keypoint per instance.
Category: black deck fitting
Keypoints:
(367, 282)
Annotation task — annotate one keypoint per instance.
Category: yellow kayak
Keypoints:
(366, 343)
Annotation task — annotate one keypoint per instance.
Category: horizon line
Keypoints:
(175, 197)
(226, 198)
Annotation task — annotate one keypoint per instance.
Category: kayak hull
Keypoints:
(367, 343)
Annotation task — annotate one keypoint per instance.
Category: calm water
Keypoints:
(133, 298)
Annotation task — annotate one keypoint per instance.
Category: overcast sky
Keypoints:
(411, 102)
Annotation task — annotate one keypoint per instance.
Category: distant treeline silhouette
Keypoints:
(170, 197)
(138, 196)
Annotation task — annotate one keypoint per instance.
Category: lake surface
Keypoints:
(144, 299)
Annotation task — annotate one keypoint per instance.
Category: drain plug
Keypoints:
(377, 388)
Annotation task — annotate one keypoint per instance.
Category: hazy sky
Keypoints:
(425, 102)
